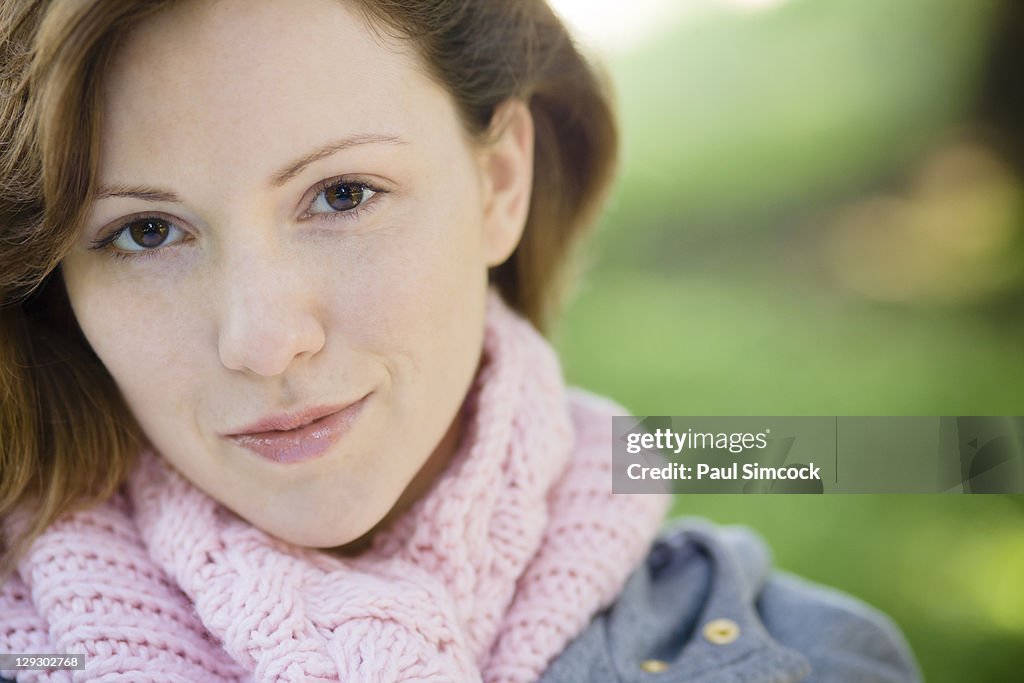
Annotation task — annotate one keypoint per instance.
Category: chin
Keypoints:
(331, 539)
(318, 533)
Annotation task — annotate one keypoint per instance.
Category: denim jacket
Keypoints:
(706, 608)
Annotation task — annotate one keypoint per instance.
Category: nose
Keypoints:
(268, 317)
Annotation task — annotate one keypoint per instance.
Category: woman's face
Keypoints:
(285, 267)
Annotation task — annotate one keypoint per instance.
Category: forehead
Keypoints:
(256, 81)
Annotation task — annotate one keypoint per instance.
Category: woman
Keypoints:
(274, 408)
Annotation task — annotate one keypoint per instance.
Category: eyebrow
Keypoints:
(152, 194)
(293, 169)
(149, 194)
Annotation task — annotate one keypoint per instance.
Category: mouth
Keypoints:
(298, 437)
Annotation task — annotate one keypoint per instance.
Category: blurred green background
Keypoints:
(821, 212)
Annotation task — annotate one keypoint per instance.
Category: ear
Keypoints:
(506, 164)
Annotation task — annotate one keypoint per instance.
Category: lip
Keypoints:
(298, 437)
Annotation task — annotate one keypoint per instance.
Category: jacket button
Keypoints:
(721, 631)
(654, 666)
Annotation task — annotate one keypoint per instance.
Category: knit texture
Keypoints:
(505, 559)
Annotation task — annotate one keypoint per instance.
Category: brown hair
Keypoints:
(66, 438)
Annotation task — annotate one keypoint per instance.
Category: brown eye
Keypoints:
(341, 197)
(149, 233)
(145, 234)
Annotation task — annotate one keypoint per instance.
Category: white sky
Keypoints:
(618, 25)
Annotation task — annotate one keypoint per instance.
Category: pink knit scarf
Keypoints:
(486, 578)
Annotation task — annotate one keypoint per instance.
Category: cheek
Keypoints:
(137, 332)
(422, 307)
(425, 273)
